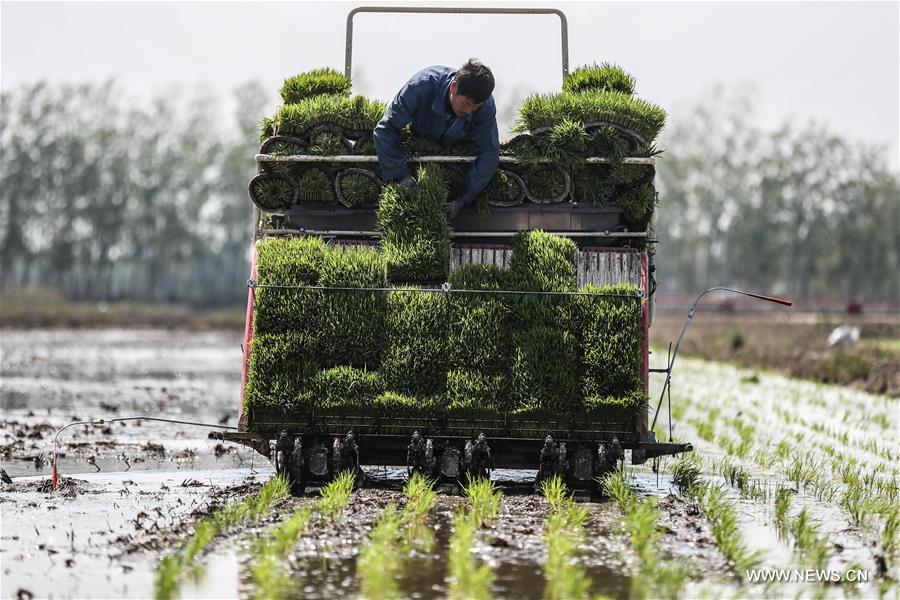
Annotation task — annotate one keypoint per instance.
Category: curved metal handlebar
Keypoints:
(563, 24)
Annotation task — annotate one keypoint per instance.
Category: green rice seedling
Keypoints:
(637, 202)
(392, 404)
(352, 323)
(608, 323)
(281, 368)
(468, 579)
(314, 83)
(328, 143)
(287, 262)
(547, 110)
(420, 494)
(542, 261)
(534, 386)
(267, 573)
(266, 128)
(723, 517)
(478, 336)
(807, 539)
(615, 486)
(380, 559)
(890, 534)
(273, 193)
(782, 506)
(414, 360)
(416, 232)
(626, 410)
(502, 189)
(592, 184)
(359, 190)
(172, 568)
(346, 390)
(563, 532)
(314, 186)
(336, 494)
(686, 472)
(283, 148)
(356, 113)
(604, 77)
(476, 394)
(484, 498)
(545, 183)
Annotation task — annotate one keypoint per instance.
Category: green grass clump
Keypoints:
(416, 235)
(359, 190)
(547, 110)
(808, 540)
(346, 390)
(336, 494)
(479, 323)
(315, 186)
(545, 183)
(415, 357)
(606, 77)
(281, 367)
(315, 83)
(357, 113)
(268, 575)
(563, 534)
(720, 511)
(287, 262)
(637, 202)
(476, 394)
(392, 404)
(352, 323)
(483, 498)
(610, 336)
(420, 495)
(327, 143)
(543, 369)
(273, 192)
(502, 189)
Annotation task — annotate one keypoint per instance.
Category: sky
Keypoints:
(834, 62)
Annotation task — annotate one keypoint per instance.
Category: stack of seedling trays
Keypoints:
(382, 338)
(590, 145)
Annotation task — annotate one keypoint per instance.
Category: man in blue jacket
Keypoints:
(446, 106)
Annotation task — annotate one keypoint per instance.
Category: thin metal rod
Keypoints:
(563, 24)
(367, 158)
(96, 422)
(687, 323)
(442, 290)
(453, 234)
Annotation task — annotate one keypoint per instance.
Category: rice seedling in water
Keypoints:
(468, 579)
(484, 498)
(267, 573)
(723, 517)
(420, 493)
(563, 532)
(380, 559)
(639, 517)
(172, 568)
(336, 494)
(782, 506)
(808, 540)
(686, 472)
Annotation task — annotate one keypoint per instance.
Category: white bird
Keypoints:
(845, 335)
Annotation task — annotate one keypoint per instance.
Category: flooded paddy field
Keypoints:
(786, 474)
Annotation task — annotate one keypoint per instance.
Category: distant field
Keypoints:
(795, 344)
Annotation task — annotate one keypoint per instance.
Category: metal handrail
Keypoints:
(563, 24)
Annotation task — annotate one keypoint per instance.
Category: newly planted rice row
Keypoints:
(640, 517)
(468, 578)
(170, 571)
(267, 573)
(563, 533)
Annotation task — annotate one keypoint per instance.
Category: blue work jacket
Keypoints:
(421, 103)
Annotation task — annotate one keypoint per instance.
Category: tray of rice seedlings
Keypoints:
(415, 356)
(357, 188)
(351, 322)
(415, 232)
(272, 193)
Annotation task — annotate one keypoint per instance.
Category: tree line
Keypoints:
(102, 198)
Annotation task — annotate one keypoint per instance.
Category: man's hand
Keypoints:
(408, 183)
(454, 207)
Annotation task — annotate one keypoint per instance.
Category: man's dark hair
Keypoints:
(475, 80)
